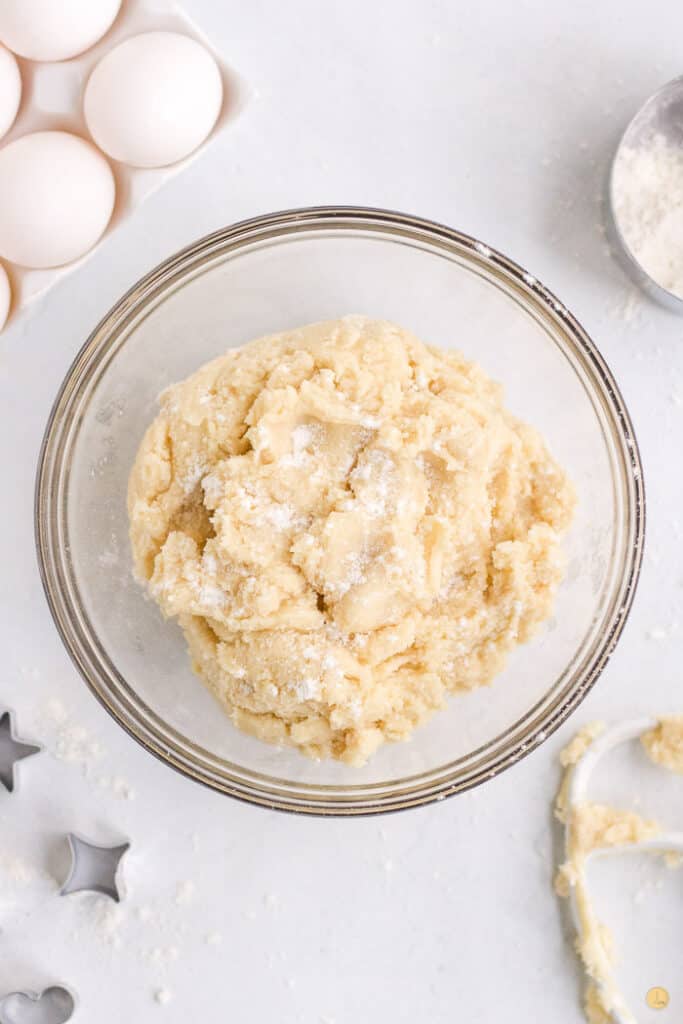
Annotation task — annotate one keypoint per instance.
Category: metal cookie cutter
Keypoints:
(94, 868)
(12, 750)
(581, 907)
(55, 1005)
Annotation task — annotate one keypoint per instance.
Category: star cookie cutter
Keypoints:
(12, 750)
(95, 867)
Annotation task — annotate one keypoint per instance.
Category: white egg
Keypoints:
(5, 296)
(56, 198)
(10, 90)
(153, 99)
(49, 30)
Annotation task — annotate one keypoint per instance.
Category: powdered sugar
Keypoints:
(355, 565)
(648, 205)
(108, 918)
(213, 489)
(185, 892)
(304, 436)
(261, 510)
(307, 688)
(14, 869)
(211, 596)
(194, 471)
(372, 482)
(280, 516)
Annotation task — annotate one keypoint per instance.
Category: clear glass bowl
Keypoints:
(277, 272)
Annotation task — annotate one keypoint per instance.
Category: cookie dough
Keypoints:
(664, 743)
(348, 526)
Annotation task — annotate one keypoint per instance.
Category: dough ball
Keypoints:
(348, 525)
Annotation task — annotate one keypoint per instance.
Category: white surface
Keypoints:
(501, 126)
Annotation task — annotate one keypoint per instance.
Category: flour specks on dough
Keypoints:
(348, 526)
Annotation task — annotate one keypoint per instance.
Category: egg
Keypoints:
(153, 99)
(10, 90)
(5, 296)
(48, 30)
(56, 198)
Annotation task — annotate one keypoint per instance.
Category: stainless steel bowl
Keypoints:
(661, 114)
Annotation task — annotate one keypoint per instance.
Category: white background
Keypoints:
(498, 119)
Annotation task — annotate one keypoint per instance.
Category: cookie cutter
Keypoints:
(17, 1007)
(95, 867)
(12, 750)
(663, 843)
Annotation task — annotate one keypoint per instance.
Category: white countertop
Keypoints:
(497, 119)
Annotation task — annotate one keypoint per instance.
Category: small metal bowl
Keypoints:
(661, 114)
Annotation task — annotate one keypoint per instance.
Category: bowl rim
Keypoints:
(283, 224)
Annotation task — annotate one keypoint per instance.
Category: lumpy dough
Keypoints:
(348, 525)
(664, 743)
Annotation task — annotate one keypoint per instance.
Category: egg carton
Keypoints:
(52, 100)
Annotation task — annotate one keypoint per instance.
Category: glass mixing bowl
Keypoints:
(278, 272)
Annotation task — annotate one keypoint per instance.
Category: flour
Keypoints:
(108, 918)
(185, 892)
(76, 746)
(161, 956)
(307, 688)
(15, 869)
(648, 205)
(304, 437)
(73, 744)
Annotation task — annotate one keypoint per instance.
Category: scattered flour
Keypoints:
(658, 633)
(74, 744)
(108, 918)
(163, 996)
(161, 956)
(629, 308)
(185, 892)
(19, 871)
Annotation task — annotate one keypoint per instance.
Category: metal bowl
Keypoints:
(661, 114)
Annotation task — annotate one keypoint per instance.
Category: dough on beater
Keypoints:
(664, 743)
(592, 826)
(348, 525)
